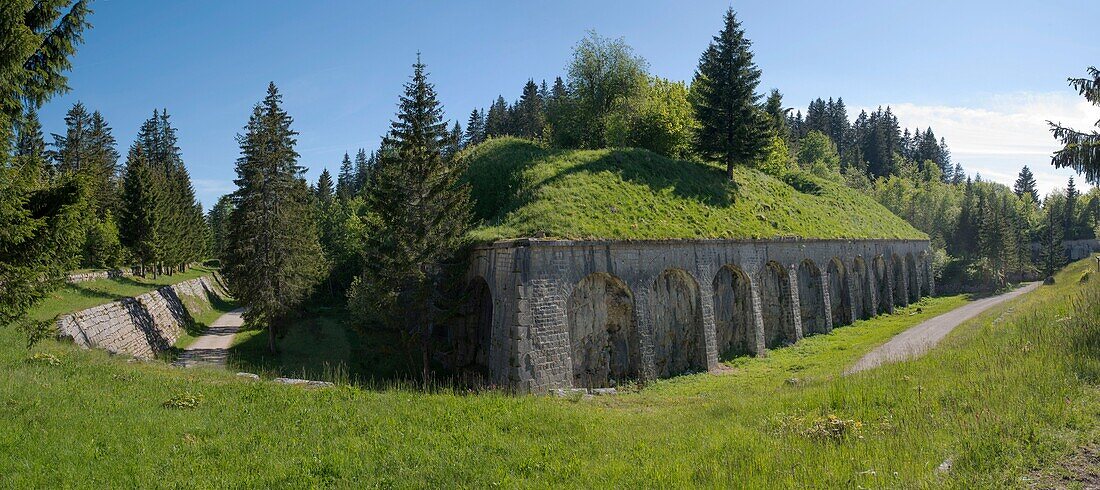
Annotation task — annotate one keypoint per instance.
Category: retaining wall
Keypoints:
(143, 325)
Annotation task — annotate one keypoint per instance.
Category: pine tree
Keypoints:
(31, 147)
(837, 123)
(323, 190)
(101, 166)
(777, 115)
(423, 212)
(959, 176)
(496, 121)
(529, 112)
(71, 149)
(1025, 184)
(364, 167)
(817, 116)
(1052, 252)
(475, 128)
(454, 142)
(1069, 219)
(218, 222)
(273, 250)
(1081, 149)
(732, 128)
(40, 219)
(345, 180)
(143, 203)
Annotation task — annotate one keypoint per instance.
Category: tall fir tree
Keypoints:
(732, 128)
(324, 190)
(1051, 252)
(1025, 184)
(423, 211)
(496, 121)
(1069, 218)
(364, 168)
(454, 142)
(142, 217)
(530, 114)
(345, 180)
(272, 258)
(777, 115)
(475, 128)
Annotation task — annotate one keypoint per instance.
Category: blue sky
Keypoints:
(984, 74)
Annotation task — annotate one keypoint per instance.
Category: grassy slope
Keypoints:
(522, 189)
(1010, 390)
(82, 295)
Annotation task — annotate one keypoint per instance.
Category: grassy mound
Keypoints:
(522, 189)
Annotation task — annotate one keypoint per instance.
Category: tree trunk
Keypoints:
(729, 170)
(271, 339)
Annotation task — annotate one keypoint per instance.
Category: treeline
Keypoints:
(143, 212)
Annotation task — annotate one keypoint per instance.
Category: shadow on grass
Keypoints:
(322, 347)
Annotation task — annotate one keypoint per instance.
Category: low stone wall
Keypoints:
(97, 275)
(144, 325)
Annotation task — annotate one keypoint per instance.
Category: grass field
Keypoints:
(1007, 393)
(521, 190)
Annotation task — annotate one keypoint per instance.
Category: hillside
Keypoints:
(522, 189)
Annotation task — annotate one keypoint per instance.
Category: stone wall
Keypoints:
(96, 275)
(144, 325)
(564, 314)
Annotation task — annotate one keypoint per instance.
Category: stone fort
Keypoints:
(548, 314)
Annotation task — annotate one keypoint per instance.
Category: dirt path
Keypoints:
(917, 340)
(212, 347)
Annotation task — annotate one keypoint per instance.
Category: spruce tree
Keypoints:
(1025, 184)
(475, 128)
(272, 249)
(529, 112)
(101, 166)
(218, 222)
(40, 220)
(364, 167)
(345, 180)
(1081, 149)
(454, 142)
(1069, 219)
(777, 115)
(1052, 252)
(142, 215)
(496, 121)
(324, 187)
(732, 128)
(423, 211)
(31, 147)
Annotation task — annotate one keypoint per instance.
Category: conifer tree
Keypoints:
(777, 115)
(475, 128)
(1069, 219)
(102, 166)
(345, 180)
(142, 216)
(1052, 252)
(1081, 149)
(454, 142)
(38, 243)
(218, 222)
(732, 128)
(364, 167)
(423, 211)
(496, 121)
(273, 250)
(324, 187)
(959, 176)
(31, 147)
(1025, 184)
(529, 112)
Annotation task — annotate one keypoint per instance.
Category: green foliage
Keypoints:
(777, 161)
(659, 118)
(733, 129)
(521, 189)
(144, 209)
(102, 248)
(420, 212)
(272, 257)
(1081, 149)
(603, 72)
(817, 154)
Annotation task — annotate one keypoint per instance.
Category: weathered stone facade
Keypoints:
(551, 314)
(144, 325)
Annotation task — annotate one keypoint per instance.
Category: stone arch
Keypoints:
(775, 306)
(914, 278)
(840, 295)
(926, 274)
(811, 304)
(862, 290)
(603, 337)
(734, 320)
(474, 337)
(679, 344)
(882, 280)
(898, 270)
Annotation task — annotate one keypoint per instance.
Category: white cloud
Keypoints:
(1004, 132)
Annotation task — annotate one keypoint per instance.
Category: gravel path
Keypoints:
(917, 340)
(212, 347)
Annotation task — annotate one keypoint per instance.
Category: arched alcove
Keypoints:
(926, 278)
(840, 297)
(474, 335)
(775, 306)
(914, 278)
(862, 289)
(733, 315)
(811, 299)
(603, 339)
(678, 342)
(898, 268)
(885, 294)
